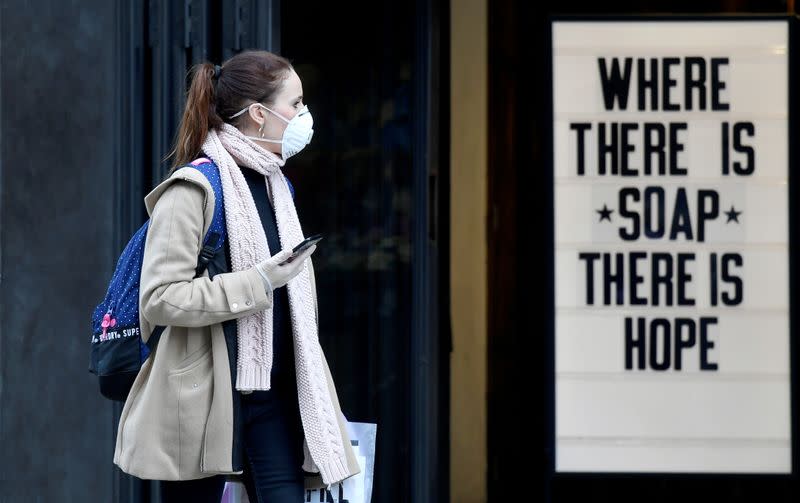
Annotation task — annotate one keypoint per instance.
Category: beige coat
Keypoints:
(177, 422)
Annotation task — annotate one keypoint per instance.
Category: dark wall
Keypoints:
(56, 158)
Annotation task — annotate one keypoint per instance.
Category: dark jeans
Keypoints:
(273, 446)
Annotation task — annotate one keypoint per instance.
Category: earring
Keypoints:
(261, 130)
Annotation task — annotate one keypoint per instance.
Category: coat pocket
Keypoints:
(192, 359)
(193, 386)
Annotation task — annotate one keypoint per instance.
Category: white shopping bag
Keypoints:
(234, 492)
(356, 489)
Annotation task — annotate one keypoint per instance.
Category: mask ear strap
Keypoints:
(263, 139)
(240, 112)
(281, 117)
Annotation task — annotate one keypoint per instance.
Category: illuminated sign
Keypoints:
(671, 143)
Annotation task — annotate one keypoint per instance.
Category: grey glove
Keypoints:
(276, 275)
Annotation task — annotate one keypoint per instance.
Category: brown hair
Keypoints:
(250, 76)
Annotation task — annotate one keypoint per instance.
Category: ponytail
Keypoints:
(199, 116)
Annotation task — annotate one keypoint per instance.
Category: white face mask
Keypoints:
(297, 134)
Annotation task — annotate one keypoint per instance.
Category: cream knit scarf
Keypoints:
(227, 147)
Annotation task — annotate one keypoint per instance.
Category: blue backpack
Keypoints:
(117, 349)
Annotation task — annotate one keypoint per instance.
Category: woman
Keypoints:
(238, 383)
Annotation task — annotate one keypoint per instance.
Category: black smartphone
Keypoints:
(297, 250)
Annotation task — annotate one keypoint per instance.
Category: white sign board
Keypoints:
(671, 246)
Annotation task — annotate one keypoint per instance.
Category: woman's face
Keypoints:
(287, 102)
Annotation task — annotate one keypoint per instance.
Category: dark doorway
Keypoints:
(371, 184)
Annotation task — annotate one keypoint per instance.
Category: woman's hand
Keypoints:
(276, 274)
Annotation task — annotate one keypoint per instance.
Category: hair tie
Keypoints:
(217, 70)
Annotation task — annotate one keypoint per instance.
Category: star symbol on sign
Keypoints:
(605, 213)
(733, 215)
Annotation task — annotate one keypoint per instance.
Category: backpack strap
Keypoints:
(217, 232)
(291, 187)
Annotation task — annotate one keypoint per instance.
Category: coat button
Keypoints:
(194, 385)
(248, 302)
(234, 305)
